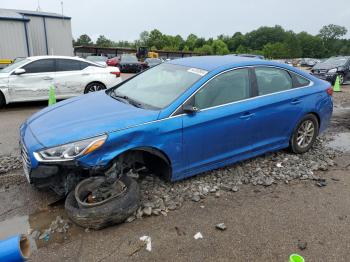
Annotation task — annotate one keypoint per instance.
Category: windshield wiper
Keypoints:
(127, 99)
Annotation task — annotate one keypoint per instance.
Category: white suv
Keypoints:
(30, 79)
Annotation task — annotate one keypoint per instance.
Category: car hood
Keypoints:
(85, 116)
(3, 75)
(324, 66)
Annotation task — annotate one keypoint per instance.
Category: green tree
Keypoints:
(191, 41)
(331, 32)
(144, 39)
(204, 50)
(219, 47)
(275, 50)
(103, 41)
(84, 40)
(256, 39)
(156, 39)
(311, 46)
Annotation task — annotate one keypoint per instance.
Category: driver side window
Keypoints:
(226, 88)
(40, 66)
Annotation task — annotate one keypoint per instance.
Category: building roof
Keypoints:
(13, 14)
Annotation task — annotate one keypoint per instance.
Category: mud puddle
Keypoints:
(340, 141)
(43, 227)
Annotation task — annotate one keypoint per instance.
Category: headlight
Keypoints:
(70, 151)
(333, 70)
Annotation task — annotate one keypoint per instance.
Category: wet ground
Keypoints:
(263, 223)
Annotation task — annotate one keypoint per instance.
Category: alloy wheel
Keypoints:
(305, 134)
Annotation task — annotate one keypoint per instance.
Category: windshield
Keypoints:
(13, 66)
(337, 61)
(129, 58)
(97, 58)
(160, 85)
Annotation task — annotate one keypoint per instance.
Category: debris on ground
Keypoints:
(220, 226)
(179, 232)
(198, 235)
(321, 182)
(59, 225)
(302, 245)
(9, 163)
(148, 242)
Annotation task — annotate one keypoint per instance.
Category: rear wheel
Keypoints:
(93, 87)
(304, 134)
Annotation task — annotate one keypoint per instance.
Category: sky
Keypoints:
(126, 19)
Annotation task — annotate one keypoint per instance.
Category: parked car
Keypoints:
(180, 118)
(308, 62)
(128, 63)
(30, 79)
(98, 59)
(150, 62)
(113, 61)
(333, 67)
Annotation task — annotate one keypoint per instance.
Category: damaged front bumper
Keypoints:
(61, 177)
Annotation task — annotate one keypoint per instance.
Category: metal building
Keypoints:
(30, 33)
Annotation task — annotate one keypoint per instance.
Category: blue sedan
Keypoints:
(177, 119)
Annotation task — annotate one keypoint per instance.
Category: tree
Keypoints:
(144, 38)
(275, 50)
(219, 47)
(191, 41)
(156, 39)
(84, 40)
(204, 50)
(331, 32)
(258, 38)
(102, 41)
(311, 46)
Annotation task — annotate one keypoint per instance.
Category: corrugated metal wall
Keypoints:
(12, 40)
(59, 36)
(36, 32)
(55, 40)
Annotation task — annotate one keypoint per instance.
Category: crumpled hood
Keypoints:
(83, 117)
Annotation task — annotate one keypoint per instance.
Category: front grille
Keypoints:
(25, 160)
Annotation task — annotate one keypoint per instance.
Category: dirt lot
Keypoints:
(264, 223)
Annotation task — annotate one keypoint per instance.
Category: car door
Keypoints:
(278, 107)
(35, 83)
(220, 129)
(70, 79)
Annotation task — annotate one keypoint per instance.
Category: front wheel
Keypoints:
(304, 134)
(93, 87)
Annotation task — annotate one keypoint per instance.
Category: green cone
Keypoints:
(52, 96)
(336, 87)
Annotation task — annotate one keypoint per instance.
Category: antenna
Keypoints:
(38, 8)
(62, 8)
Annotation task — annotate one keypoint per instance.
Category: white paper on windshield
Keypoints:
(197, 71)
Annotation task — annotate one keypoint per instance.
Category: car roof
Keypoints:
(210, 63)
(33, 58)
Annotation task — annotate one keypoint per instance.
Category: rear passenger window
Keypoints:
(225, 88)
(40, 66)
(300, 81)
(84, 65)
(67, 65)
(271, 80)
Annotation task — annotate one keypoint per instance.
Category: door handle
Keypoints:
(48, 78)
(85, 74)
(246, 115)
(295, 101)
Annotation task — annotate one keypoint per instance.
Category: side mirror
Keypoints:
(19, 71)
(190, 109)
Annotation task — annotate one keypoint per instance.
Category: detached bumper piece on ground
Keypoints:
(98, 202)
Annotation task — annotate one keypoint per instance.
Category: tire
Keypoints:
(2, 100)
(304, 134)
(93, 87)
(341, 79)
(115, 211)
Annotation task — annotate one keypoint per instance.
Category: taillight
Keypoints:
(329, 91)
(117, 73)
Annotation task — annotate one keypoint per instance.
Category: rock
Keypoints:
(302, 245)
(268, 181)
(196, 198)
(217, 194)
(35, 234)
(220, 226)
(130, 219)
(147, 211)
(235, 189)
